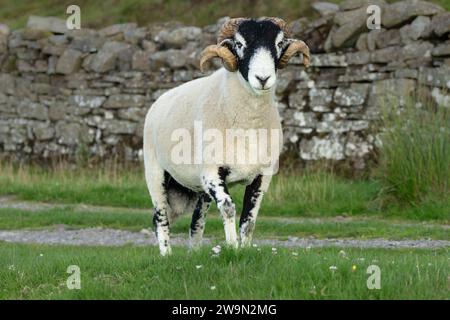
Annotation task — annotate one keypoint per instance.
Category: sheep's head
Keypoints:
(255, 49)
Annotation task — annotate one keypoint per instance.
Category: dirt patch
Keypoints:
(112, 237)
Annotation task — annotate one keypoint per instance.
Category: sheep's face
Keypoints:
(258, 46)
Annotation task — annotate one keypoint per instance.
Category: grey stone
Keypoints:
(388, 38)
(88, 44)
(436, 77)
(51, 24)
(328, 60)
(386, 55)
(442, 49)
(124, 101)
(32, 110)
(43, 131)
(399, 12)
(330, 147)
(358, 58)
(134, 114)
(415, 30)
(69, 62)
(176, 58)
(87, 101)
(417, 50)
(440, 23)
(297, 100)
(71, 134)
(353, 4)
(179, 37)
(325, 8)
(116, 29)
(120, 126)
(353, 96)
(105, 60)
(141, 60)
(390, 92)
(320, 99)
(361, 43)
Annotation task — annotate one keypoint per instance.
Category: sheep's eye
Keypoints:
(280, 44)
(238, 45)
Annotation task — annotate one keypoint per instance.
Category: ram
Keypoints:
(238, 98)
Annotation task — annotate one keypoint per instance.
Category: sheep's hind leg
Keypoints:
(252, 200)
(198, 220)
(214, 185)
(156, 182)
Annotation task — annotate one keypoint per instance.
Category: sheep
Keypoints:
(239, 96)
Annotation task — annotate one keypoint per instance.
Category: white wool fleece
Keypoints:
(220, 101)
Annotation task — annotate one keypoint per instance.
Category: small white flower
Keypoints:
(333, 268)
(274, 249)
(254, 245)
(41, 255)
(216, 249)
(198, 266)
(295, 254)
(361, 259)
(342, 254)
(258, 249)
(213, 287)
(12, 267)
(308, 248)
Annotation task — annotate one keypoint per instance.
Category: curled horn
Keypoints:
(219, 50)
(295, 46)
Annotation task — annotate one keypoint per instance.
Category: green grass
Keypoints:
(194, 12)
(39, 272)
(301, 194)
(267, 227)
(415, 154)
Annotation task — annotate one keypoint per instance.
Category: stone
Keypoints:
(358, 58)
(71, 134)
(124, 101)
(330, 147)
(390, 92)
(43, 131)
(361, 43)
(354, 4)
(32, 110)
(134, 114)
(87, 101)
(35, 34)
(116, 29)
(328, 60)
(353, 96)
(87, 44)
(386, 55)
(436, 77)
(141, 60)
(120, 126)
(105, 60)
(417, 50)
(441, 49)
(179, 37)
(440, 24)
(320, 99)
(415, 30)
(325, 8)
(388, 38)
(69, 62)
(176, 58)
(297, 100)
(402, 11)
(51, 24)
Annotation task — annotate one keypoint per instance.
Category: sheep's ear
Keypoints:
(219, 51)
(294, 47)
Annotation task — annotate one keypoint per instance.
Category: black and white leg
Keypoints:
(252, 200)
(213, 181)
(198, 220)
(157, 187)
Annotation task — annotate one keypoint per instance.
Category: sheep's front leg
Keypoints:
(252, 200)
(214, 185)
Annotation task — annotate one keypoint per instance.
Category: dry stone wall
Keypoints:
(63, 92)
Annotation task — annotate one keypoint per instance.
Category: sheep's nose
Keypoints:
(262, 80)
